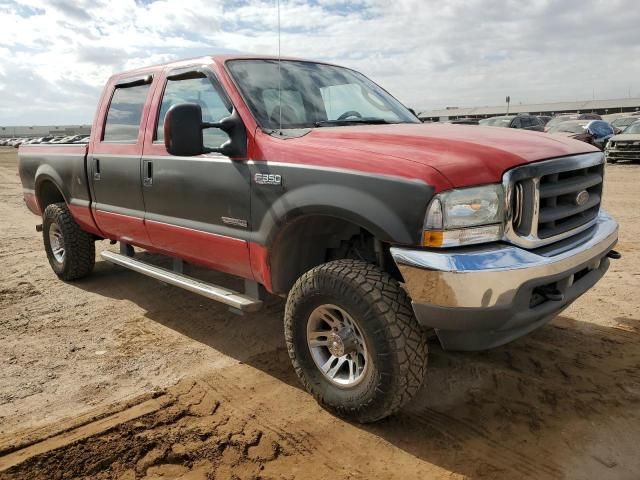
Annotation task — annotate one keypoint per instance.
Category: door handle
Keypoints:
(147, 173)
(96, 169)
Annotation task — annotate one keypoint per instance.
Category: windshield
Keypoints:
(634, 128)
(570, 127)
(312, 95)
(623, 122)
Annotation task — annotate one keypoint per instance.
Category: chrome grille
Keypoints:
(518, 205)
(554, 199)
(622, 150)
(562, 207)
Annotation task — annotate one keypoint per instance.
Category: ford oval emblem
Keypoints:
(582, 198)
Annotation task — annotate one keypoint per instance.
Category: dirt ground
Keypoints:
(119, 376)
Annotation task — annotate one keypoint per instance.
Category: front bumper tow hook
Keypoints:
(552, 294)
(615, 255)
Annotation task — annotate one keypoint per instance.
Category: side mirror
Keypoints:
(183, 127)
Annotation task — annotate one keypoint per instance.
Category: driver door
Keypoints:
(196, 208)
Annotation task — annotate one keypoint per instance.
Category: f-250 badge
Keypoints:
(267, 179)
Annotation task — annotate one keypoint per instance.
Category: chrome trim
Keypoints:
(490, 276)
(517, 204)
(214, 292)
(533, 172)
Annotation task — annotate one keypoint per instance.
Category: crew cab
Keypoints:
(311, 182)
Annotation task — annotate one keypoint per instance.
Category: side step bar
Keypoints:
(236, 300)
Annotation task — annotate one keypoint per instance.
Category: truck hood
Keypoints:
(464, 154)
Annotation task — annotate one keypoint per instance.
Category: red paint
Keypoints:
(83, 217)
(442, 155)
(122, 227)
(31, 202)
(260, 265)
(226, 254)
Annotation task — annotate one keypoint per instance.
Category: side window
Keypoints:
(125, 112)
(198, 90)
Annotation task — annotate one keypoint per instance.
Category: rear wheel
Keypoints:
(70, 250)
(353, 340)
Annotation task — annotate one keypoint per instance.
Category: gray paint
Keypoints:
(392, 208)
(119, 189)
(197, 192)
(65, 170)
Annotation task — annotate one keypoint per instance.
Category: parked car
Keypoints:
(565, 117)
(65, 139)
(525, 122)
(544, 118)
(333, 195)
(465, 121)
(621, 123)
(625, 145)
(595, 132)
(589, 116)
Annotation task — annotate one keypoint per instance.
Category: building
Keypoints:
(602, 107)
(43, 130)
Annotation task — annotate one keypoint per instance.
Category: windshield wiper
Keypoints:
(353, 121)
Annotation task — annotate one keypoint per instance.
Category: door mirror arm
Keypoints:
(236, 146)
(183, 128)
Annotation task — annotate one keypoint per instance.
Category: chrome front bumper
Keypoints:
(482, 296)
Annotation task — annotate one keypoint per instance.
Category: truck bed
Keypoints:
(56, 170)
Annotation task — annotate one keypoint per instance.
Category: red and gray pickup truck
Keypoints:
(311, 182)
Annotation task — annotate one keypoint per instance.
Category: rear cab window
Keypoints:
(122, 124)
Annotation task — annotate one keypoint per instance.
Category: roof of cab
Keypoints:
(203, 60)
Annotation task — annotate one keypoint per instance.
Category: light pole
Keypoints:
(508, 100)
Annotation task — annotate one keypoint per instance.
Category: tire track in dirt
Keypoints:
(498, 454)
(188, 426)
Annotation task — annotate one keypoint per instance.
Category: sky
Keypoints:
(55, 55)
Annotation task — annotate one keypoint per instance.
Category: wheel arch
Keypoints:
(312, 239)
(48, 188)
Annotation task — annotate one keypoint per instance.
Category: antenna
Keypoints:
(279, 74)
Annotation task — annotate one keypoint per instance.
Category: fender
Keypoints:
(391, 208)
(45, 173)
(70, 180)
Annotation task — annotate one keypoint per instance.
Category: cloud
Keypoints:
(57, 54)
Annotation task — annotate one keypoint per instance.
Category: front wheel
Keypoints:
(354, 341)
(70, 250)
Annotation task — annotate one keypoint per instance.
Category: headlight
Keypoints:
(464, 216)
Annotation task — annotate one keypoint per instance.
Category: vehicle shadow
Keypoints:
(559, 403)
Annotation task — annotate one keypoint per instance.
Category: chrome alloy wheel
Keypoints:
(337, 346)
(57, 242)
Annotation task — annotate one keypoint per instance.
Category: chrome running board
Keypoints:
(236, 300)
